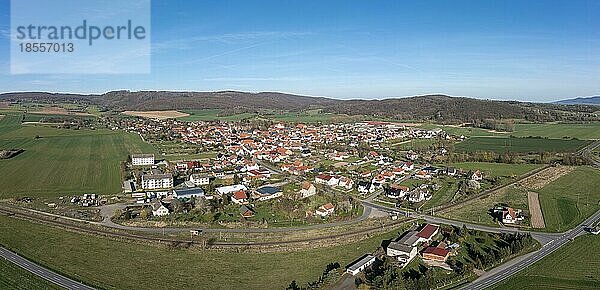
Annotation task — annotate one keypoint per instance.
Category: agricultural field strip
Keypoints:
(535, 210)
(545, 177)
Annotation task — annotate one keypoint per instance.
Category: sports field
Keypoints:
(116, 264)
(570, 199)
(575, 266)
(58, 162)
(519, 145)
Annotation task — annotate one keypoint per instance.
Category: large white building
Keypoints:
(142, 159)
(157, 181)
(198, 179)
(226, 190)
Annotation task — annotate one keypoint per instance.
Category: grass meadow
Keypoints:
(557, 130)
(574, 266)
(119, 264)
(519, 145)
(497, 169)
(570, 199)
(477, 211)
(58, 161)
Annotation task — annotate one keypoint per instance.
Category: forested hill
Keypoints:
(439, 108)
(581, 101)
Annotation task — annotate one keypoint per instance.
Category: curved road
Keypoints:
(506, 270)
(42, 272)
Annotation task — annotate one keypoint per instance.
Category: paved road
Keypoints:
(42, 272)
(587, 153)
(550, 243)
(540, 236)
(506, 270)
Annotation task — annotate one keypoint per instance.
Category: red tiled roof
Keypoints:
(323, 177)
(240, 195)
(436, 251)
(427, 231)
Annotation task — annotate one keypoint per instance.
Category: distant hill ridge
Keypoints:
(441, 108)
(595, 100)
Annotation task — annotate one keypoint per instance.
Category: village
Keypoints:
(269, 173)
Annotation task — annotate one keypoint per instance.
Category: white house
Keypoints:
(239, 197)
(142, 159)
(477, 175)
(157, 181)
(419, 195)
(325, 210)
(345, 182)
(308, 189)
(365, 187)
(198, 179)
(159, 209)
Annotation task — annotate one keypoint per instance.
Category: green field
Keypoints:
(497, 169)
(519, 145)
(63, 161)
(570, 199)
(477, 211)
(556, 130)
(13, 277)
(42, 117)
(575, 266)
(585, 131)
(116, 264)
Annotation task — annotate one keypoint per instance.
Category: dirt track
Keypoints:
(537, 219)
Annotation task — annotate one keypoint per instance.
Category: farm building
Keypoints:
(436, 254)
(361, 264)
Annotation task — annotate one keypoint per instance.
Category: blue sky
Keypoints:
(516, 50)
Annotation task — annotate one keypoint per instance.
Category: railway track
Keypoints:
(57, 222)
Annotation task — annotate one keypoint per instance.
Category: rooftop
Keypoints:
(428, 231)
(359, 263)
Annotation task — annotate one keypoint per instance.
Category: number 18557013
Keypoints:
(48, 47)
